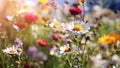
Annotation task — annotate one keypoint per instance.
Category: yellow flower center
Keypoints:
(56, 25)
(77, 27)
(12, 51)
(67, 49)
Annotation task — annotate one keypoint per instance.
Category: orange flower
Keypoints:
(109, 39)
(116, 36)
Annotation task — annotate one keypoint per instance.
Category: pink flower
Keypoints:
(56, 37)
(30, 18)
(75, 11)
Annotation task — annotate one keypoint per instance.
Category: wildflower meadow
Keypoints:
(50, 34)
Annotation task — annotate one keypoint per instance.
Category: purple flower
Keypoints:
(35, 54)
(18, 43)
(40, 56)
(32, 51)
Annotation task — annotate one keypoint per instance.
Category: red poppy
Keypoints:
(75, 11)
(41, 42)
(56, 37)
(20, 25)
(30, 18)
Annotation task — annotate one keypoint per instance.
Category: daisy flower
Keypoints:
(56, 25)
(65, 49)
(78, 27)
(12, 51)
(60, 51)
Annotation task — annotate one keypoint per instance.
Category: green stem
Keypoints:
(69, 63)
(83, 11)
(101, 3)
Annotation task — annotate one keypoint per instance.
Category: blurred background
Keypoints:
(111, 4)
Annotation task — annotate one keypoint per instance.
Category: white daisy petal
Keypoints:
(11, 51)
(78, 27)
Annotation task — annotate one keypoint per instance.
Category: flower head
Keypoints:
(109, 39)
(56, 25)
(117, 36)
(56, 37)
(35, 54)
(32, 51)
(75, 11)
(64, 49)
(78, 27)
(40, 56)
(18, 43)
(11, 51)
(41, 42)
(30, 18)
(20, 25)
